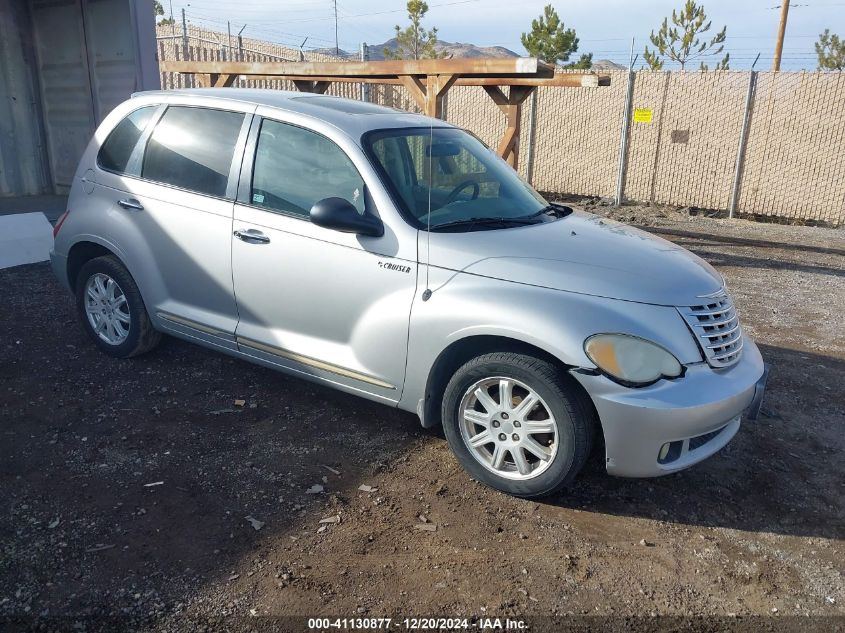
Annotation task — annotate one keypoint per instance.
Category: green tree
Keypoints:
(414, 41)
(681, 41)
(159, 10)
(550, 41)
(831, 51)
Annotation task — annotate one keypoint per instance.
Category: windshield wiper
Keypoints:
(471, 222)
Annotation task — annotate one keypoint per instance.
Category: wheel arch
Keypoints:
(81, 253)
(462, 350)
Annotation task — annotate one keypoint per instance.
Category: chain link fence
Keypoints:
(795, 157)
(201, 44)
(758, 143)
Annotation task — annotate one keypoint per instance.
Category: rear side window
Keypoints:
(192, 148)
(115, 152)
(294, 168)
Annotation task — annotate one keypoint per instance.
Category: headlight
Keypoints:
(630, 359)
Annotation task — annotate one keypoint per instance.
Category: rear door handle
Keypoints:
(252, 236)
(131, 203)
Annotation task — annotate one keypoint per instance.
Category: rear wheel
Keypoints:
(112, 310)
(517, 424)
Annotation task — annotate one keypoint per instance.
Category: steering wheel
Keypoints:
(466, 183)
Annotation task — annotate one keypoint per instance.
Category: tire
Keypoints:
(561, 407)
(132, 333)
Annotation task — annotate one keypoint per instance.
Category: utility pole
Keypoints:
(336, 47)
(784, 11)
(229, 31)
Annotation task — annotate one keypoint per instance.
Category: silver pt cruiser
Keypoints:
(397, 257)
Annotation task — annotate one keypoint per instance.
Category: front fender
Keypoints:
(462, 305)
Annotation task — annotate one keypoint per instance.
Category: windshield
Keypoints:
(468, 181)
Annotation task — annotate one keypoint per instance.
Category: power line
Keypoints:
(281, 36)
(367, 15)
(365, 33)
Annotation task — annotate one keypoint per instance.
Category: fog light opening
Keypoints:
(669, 452)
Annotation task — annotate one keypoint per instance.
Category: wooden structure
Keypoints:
(427, 81)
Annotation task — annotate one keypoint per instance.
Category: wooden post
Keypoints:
(532, 138)
(222, 80)
(305, 85)
(784, 11)
(436, 88)
(511, 106)
(427, 92)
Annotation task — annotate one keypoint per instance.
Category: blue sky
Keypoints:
(605, 27)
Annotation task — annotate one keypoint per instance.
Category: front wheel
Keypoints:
(516, 423)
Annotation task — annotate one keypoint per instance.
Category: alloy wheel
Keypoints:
(107, 309)
(508, 428)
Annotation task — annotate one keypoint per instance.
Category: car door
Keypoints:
(327, 304)
(174, 205)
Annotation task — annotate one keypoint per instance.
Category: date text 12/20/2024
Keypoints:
(416, 624)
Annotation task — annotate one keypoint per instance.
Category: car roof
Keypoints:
(351, 116)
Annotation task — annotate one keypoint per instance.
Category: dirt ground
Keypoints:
(127, 487)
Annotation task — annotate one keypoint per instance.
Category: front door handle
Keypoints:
(131, 203)
(252, 236)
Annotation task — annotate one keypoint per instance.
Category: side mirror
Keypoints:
(339, 215)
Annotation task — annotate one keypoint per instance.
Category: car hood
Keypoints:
(581, 253)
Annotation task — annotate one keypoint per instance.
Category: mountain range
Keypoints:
(458, 50)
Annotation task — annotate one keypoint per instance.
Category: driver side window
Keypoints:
(295, 167)
(456, 174)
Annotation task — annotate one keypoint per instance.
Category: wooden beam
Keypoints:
(473, 67)
(416, 88)
(562, 80)
(511, 107)
(222, 81)
(428, 94)
(496, 94)
(519, 94)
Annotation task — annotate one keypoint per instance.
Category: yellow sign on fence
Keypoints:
(642, 115)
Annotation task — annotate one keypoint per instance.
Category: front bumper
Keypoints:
(696, 415)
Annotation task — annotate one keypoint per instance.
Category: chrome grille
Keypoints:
(715, 323)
